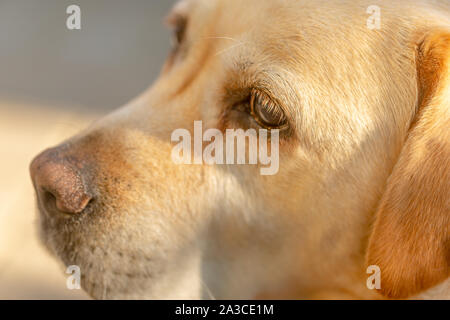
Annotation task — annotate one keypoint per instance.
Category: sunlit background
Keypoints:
(54, 82)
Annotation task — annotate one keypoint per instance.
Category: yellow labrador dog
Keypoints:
(359, 96)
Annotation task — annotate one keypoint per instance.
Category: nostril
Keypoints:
(49, 201)
(72, 203)
(55, 204)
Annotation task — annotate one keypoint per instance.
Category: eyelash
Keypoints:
(262, 99)
(271, 106)
(244, 105)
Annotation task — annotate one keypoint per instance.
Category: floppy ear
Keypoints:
(411, 236)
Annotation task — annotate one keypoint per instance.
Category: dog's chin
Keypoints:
(108, 268)
(114, 263)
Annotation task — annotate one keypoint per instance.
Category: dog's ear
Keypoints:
(410, 242)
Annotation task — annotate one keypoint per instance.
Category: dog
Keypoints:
(359, 95)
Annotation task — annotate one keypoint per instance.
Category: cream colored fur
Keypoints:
(162, 230)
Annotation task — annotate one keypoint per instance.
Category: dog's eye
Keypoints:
(266, 113)
(179, 31)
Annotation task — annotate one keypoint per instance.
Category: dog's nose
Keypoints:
(59, 183)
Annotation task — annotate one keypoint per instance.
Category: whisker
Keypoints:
(211, 296)
(222, 38)
(229, 48)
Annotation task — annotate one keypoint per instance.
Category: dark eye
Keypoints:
(179, 31)
(266, 113)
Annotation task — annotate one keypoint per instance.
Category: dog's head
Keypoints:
(356, 117)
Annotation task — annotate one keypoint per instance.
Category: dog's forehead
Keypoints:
(288, 26)
(274, 14)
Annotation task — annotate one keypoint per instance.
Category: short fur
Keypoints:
(367, 158)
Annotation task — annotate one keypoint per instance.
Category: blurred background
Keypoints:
(53, 83)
